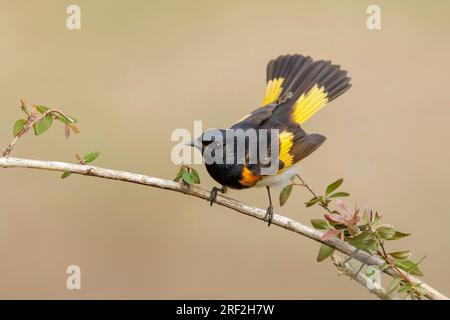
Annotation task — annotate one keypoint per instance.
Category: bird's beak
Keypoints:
(194, 143)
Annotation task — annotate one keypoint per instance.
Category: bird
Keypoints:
(297, 87)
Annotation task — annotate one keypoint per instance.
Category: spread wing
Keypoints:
(297, 87)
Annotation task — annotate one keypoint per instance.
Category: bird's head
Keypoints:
(212, 138)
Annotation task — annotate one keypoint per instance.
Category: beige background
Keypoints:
(139, 69)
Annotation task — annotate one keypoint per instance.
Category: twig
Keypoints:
(348, 270)
(304, 184)
(381, 253)
(31, 121)
(278, 220)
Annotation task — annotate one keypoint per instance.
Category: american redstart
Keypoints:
(297, 87)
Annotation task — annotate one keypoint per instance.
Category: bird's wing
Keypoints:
(297, 88)
(294, 144)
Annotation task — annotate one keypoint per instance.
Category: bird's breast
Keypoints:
(228, 175)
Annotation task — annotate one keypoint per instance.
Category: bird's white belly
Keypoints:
(280, 180)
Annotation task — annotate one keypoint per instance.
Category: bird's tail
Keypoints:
(309, 85)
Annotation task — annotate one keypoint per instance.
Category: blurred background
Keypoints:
(137, 70)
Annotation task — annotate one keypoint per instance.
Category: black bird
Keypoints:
(297, 87)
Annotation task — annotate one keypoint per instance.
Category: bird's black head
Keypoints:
(211, 138)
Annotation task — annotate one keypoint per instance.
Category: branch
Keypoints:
(279, 220)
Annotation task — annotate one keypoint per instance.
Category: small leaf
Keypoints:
(377, 219)
(353, 220)
(334, 217)
(339, 195)
(320, 224)
(330, 234)
(66, 131)
(66, 174)
(324, 252)
(393, 285)
(285, 193)
(313, 201)
(24, 108)
(364, 241)
(195, 176)
(366, 216)
(91, 156)
(410, 267)
(398, 235)
(41, 109)
(18, 126)
(333, 186)
(401, 255)
(187, 177)
(406, 287)
(43, 125)
(362, 236)
(385, 232)
(179, 175)
(352, 229)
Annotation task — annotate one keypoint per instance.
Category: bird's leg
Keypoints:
(214, 190)
(269, 213)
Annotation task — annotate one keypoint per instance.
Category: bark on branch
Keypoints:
(278, 220)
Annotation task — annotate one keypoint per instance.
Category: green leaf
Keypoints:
(187, 177)
(42, 109)
(406, 287)
(364, 241)
(324, 252)
(410, 267)
(401, 255)
(18, 126)
(339, 195)
(333, 186)
(91, 156)
(398, 235)
(43, 125)
(320, 224)
(285, 193)
(195, 176)
(66, 174)
(179, 175)
(313, 201)
(393, 285)
(376, 220)
(385, 232)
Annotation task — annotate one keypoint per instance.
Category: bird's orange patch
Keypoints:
(248, 178)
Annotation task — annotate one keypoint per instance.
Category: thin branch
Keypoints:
(304, 184)
(278, 220)
(382, 253)
(31, 121)
(354, 274)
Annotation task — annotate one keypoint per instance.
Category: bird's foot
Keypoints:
(213, 197)
(269, 215)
